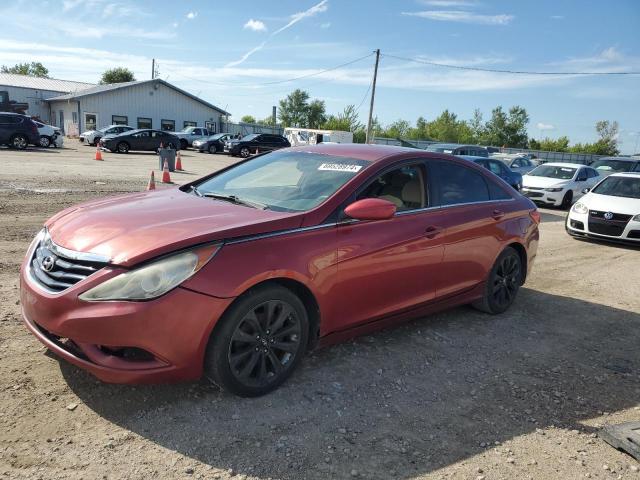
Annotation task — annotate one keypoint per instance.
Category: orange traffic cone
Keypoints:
(178, 162)
(152, 182)
(98, 154)
(165, 173)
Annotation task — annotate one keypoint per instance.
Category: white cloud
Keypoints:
(545, 126)
(557, 17)
(192, 15)
(293, 19)
(608, 60)
(449, 3)
(255, 25)
(325, 25)
(462, 17)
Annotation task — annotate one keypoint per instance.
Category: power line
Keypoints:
(275, 82)
(364, 97)
(495, 70)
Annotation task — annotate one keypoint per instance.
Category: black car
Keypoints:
(255, 143)
(18, 130)
(213, 144)
(499, 168)
(141, 139)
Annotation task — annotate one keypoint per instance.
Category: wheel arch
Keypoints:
(522, 252)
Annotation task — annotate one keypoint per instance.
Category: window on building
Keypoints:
(119, 120)
(168, 125)
(90, 121)
(74, 117)
(144, 122)
(190, 124)
(211, 126)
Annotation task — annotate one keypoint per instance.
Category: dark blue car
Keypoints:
(499, 168)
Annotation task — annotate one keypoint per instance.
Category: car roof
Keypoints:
(626, 174)
(623, 159)
(563, 164)
(473, 158)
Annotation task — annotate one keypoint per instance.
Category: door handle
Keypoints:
(432, 231)
(497, 214)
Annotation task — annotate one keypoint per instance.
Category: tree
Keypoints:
(347, 121)
(33, 69)
(398, 129)
(293, 109)
(550, 145)
(248, 119)
(476, 125)
(507, 130)
(117, 75)
(316, 114)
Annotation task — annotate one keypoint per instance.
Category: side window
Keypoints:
(495, 167)
(637, 169)
(497, 192)
(582, 175)
(518, 163)
(404, 187)
(460, 184)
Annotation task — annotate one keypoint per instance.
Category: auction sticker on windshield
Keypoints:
(340, 167)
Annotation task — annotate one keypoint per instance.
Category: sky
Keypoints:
(244, 57)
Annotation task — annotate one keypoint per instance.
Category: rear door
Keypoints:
(472, 222)
(389, 266)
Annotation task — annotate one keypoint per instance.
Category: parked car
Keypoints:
(49, 135)
(18, 131)
(518, 163)
(256, 142)
(213, 144)
(500, 169)
(141, 139)
(610, 211)
(237, 274)
(189, 134)
(92, 137)
(456, 149)
(608, 165)
(558, 184)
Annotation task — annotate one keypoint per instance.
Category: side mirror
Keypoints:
(371, 209)
(586, 190)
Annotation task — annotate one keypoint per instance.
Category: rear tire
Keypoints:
(503, 282)
(19, 141)
(259, 342)
(45, 142)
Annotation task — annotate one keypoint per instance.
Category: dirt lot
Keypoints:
(456, 395)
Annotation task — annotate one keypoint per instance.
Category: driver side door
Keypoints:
(389, 266)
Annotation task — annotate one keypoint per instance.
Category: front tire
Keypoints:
(45, 142)
(19, 141)
(567, 200)
(123, 147)
(245, 152)
(502, 284)
(259, 342)
(212, 149)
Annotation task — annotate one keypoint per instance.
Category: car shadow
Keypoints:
(401, 402)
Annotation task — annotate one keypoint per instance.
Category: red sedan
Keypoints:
(236, 275)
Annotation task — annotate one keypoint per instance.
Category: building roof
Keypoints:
(39, 83)
(97, 89)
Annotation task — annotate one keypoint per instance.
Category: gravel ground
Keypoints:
(455, 395)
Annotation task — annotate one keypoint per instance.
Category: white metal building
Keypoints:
(76, 107)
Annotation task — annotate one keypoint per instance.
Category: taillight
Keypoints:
(535, 216)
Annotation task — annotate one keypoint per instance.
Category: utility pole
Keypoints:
(153, 68)
(373, 94)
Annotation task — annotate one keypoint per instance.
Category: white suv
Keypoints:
(558, 184)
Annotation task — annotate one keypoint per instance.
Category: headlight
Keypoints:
(580, 208)
(554, 189)
(154, 279)
(636, 218)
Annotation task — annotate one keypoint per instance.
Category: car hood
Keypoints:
(88, 132)
(608, 203)
(542, 182)
(132, 228)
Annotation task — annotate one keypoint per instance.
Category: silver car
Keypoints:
(517, 163)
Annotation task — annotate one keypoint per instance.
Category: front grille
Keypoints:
(617, 217)
(534, 194)
(611, 229)
(634, 234)
(57, 272)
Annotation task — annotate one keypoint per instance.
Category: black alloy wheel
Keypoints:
(503, 283)
(19, 141)
(123, 147)
(212, 148)
(245, 152)
(260, 341)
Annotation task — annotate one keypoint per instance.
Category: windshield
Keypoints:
(284, 181)
(217, 136)
(187, 129)
(628, 187)
(613, 165)
(440, 149)
(550, 171)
